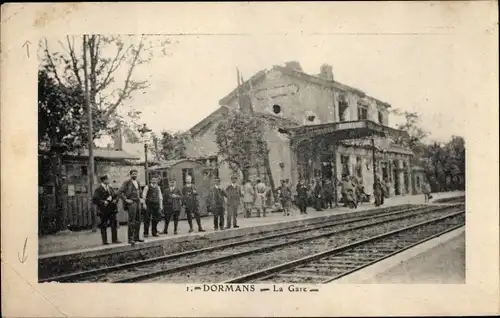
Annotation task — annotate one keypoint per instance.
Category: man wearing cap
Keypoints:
(130, 192)
(105, 199)
(190, 202)
(172, 203)
(154, 206)
(234, 194)
(215, 204)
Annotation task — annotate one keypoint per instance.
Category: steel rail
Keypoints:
(393, 253)
(304, 228)
(273, 271)
(185, 267)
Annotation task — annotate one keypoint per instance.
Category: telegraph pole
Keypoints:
(90, 170)
(144, 130)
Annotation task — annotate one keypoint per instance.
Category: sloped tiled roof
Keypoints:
(169, 163)
(103, 153)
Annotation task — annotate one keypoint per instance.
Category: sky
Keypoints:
(411, 72)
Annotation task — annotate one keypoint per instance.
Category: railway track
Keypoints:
(181, 263)
(330, 265)
(197, 247)
(216, 266)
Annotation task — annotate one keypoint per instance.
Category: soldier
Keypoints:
(190, 202)
(215, 204)
(260, 197)
(378, 192)
(285, 196)
(105, 199)
(328, 194)
(248, 198)
(130, 192)
(172, 204)
(154, 206)
(233, 194)
(318, 196)
(302, 196)
(426, 190)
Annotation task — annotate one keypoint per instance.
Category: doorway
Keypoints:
(397, 185)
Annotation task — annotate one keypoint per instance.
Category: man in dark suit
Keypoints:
(302, 196)
(105, 199)
(215, 204)
(190, 202)
(233, 194)
(130, 192)
(172, 204)
(154, 205)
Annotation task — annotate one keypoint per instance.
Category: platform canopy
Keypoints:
(344, 130)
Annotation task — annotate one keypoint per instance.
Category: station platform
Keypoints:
(68, 242)
(437, 261)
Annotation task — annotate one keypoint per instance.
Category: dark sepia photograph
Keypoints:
(221, 159)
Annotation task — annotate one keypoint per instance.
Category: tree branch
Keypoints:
(74, 61)
(51, 62)
(113, 67)
(125, 91)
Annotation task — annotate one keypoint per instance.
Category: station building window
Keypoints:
(362, 112)
(359, 170)
(344, 160)
(380, 118)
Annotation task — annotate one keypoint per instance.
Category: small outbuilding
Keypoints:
(202, 171)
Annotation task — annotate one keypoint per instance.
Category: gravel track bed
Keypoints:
(236, 267)
(237, 249)
(396, 242)
(159, 250)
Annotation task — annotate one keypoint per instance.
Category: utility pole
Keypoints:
(373, 161)
(90, 170)
(144, 130)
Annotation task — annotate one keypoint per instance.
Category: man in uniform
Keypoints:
(328, 194)
(172, 203)
(215, 205)
(105, 199)
(130, 192)
(248, 198)
(190, 202)
(234, 194)
(302, 196)
(154, 205)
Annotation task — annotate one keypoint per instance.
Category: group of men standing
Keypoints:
(317, 194)
(156, 205)
(167, 205)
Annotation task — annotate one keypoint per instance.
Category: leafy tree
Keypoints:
(241, 143)
(173, 145)
(62, 127)
(445, 164)
(95, 62)
(416, 135)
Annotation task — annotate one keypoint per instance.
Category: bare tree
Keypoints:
(111, 65)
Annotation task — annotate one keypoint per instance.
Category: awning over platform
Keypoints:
(345, 130)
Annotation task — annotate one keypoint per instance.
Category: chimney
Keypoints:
(117, 137)
(294, 66)
(326, 72)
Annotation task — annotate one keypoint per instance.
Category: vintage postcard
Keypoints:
(250, 159)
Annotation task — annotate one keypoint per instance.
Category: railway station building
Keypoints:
(316, 127)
